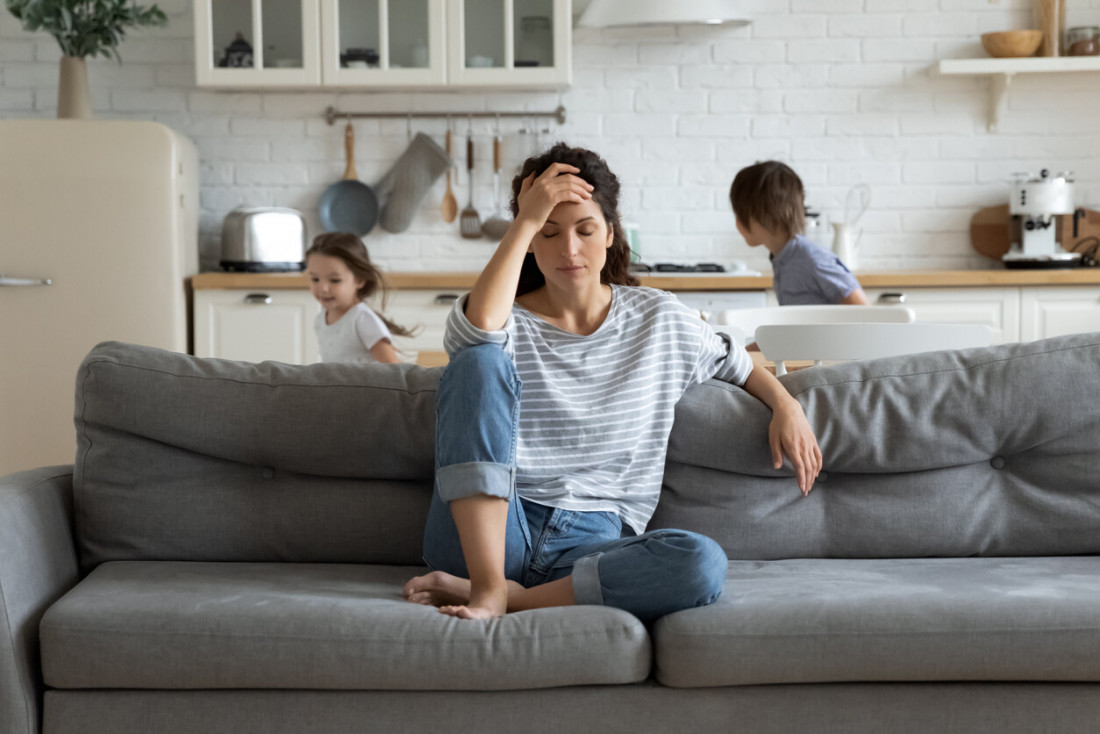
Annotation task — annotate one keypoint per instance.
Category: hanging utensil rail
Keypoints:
(332, 114)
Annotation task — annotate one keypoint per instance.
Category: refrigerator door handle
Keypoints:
(7, 282)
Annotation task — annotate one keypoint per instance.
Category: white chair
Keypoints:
(839, 342)
(741, 323)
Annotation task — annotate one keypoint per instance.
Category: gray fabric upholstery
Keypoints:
(37, 565)
(936, 619)
(963, 708)
(321, 626)
(180, 458)
(971, 475)
(978, 452)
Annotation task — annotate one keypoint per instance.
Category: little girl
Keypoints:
(341, 277)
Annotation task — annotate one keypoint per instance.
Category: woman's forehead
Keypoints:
(570, 212)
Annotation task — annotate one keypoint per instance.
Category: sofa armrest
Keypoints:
(37, 566)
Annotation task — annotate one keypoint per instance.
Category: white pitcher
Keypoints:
(846, 243)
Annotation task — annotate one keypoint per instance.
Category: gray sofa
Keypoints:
(227, 555)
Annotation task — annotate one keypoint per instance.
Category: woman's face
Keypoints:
(571, 248)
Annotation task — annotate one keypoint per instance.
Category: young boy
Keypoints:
(767, 202)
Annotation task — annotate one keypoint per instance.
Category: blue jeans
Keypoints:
(477, 416)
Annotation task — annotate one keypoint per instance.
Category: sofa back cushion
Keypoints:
(990, 451)
(180, 458)
(980, 452)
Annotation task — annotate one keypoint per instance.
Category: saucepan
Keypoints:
(348, 205)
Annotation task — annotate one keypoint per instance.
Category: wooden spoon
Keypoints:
(450, 204)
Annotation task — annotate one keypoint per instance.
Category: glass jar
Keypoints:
(1083, 41)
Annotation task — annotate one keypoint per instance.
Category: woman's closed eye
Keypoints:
(555, 233)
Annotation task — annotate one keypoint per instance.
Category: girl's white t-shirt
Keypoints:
(351, 338)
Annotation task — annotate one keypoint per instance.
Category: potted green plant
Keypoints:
(83, 28)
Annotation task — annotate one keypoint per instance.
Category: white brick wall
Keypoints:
(840, 89)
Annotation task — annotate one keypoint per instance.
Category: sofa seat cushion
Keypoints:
(935, 619)
(179, 625)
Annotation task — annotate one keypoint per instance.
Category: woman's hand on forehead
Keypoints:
(558, 184)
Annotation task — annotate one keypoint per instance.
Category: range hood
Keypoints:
(623, 13)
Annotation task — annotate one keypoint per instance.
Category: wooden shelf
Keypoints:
(1003, 70)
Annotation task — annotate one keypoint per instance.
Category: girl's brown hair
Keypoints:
(349, 248)
(770, 194)
(594, 170)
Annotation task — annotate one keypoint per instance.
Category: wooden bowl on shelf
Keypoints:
(1012, 44)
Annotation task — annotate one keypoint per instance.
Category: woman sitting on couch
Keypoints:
(554, 414)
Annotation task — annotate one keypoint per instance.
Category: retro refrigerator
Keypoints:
(98, 237)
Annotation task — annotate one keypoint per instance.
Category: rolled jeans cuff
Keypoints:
(586, 580)
(458, 481)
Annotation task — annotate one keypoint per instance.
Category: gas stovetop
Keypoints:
(735, 268)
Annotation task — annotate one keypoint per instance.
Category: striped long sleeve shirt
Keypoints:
(596, 411)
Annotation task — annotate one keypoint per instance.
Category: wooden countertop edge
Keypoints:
(897, 279)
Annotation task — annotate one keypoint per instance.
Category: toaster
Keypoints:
(263, 239)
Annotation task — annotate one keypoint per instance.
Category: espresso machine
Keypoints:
(1035, 205)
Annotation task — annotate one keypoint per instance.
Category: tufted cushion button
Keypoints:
(998, 462)
(267, 473)
(823, 476)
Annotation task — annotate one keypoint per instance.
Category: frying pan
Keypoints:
(348, 205)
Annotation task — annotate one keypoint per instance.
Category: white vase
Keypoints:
(74, 100)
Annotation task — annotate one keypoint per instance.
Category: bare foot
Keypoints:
(487, 604)
(438, 589)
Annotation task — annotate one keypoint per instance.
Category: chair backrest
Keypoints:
(837, 342)
(742, 323)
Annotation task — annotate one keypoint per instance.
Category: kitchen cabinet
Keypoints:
(997, 308)
(383, 43)
(1047, 312)
(255, 326)
(257, 43)
(511, 43)
(367, 44)
(1016, 304)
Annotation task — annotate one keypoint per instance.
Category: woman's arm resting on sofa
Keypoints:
(789, 432)
(37, 566)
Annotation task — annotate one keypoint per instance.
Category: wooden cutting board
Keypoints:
(990, 231)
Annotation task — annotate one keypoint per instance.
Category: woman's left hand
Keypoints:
(790, 434)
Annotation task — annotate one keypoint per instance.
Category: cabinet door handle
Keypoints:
(887, 299)
(258, 299)
(445, 299)
(7, 282)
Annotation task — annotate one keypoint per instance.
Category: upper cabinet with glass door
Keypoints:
(512, 43)
(383, 43)
(257, 43)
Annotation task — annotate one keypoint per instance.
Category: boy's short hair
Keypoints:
(770, 194)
